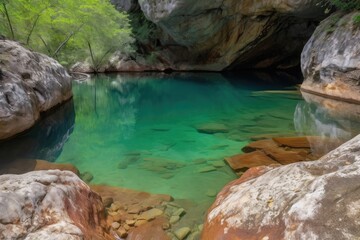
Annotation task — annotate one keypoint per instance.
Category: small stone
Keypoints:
(200, 227)
(126, 227)
(140, 222)
(115, 225)
(135, 209)
(107, 201)
(86, 177)
(179, 212)
(206, 169)
(212, 128)
(165, 226)
(182, 233)
(122, 232)
(167, 175)
(151, 214)
(114, 207)
(118, 217)
(174, 219)
(211, 193)
(218, 164)
(194, 236)
(130, 222)
(123, 165)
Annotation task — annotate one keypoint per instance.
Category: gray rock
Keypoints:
(49, 205)
(307, 200)
(330, 61)
(31, 83)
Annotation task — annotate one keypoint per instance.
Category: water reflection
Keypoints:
(44, 141)
(328, 118)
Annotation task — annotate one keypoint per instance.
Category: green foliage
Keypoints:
(346, 5)
(65, 29)
(357, 19)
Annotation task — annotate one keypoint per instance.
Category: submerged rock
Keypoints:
(31, 83)
(308, 200)
(49, 205)
(330, 61)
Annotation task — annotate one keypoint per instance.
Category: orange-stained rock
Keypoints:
(50, 204)
(306, 200)
(295, 142)
(281, 154)
(151, 230)
(45, 165)
(249, 160)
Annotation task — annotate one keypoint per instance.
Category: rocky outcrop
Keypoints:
(219, 35)
(310, 200)
(49, 205)
(330, 61)
(31, 83)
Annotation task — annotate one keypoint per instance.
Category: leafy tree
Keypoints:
(66, 29)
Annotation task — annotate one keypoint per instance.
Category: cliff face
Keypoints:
(330, 61)
(219, 35)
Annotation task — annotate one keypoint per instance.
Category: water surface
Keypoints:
(140, 131)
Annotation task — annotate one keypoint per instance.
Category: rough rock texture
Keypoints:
(224, 34)
(125, 5)
(49, 205)
(330, 60)
(31, 83)
(310, 200)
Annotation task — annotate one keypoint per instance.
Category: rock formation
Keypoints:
(309, 200)
(330, 61)
(50, 205)
(218, 35)
(31, 83)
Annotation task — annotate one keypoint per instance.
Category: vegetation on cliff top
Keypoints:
(67, 30)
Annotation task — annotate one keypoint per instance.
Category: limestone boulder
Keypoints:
(49, 205)
(307, 200)
(330, 61)
(31, 83)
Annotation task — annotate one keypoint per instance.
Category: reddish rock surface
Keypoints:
(307, 200)
(248, 160)
(50, 205)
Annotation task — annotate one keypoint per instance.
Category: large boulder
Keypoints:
(49, 205)
(309, 200)
(330, 61)
(226, 34)
(31, 83)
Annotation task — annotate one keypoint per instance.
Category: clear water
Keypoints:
(139, 131)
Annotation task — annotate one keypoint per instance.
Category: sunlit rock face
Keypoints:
(330, 61)
(30, 83)
(217, 35)
(308, 200)
(49, 205)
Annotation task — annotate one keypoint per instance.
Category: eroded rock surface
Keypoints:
(30, 83)
(330, 61)
(309, 200)
(49, 205)
(217, 35)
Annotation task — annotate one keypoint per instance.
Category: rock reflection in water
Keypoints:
(44, 141)
(330, 119)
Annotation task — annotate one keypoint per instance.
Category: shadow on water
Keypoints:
(44, 141)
